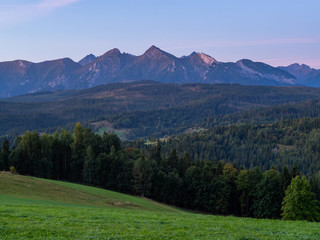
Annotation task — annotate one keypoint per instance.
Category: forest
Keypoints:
(148, 108)
(212, 185)
(277, 144)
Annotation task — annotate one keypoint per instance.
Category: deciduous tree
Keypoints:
(300, 202)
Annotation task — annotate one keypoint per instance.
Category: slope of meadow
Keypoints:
(32, 208)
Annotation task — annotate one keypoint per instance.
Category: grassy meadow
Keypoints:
(33, 208)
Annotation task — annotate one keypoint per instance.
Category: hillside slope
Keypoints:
(23, 217)
(26, 190)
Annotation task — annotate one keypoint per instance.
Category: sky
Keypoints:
(277, 32)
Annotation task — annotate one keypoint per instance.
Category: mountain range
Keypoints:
(21, 77)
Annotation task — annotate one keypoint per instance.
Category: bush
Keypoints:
(13, 170)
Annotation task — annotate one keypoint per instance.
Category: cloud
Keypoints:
(54, 4)
(16, 14)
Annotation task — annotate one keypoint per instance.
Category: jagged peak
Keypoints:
(153, 50)
(208, 60)
(297, 65)
(113, 51)
(192, 54)
(89, 56)
(87, 59)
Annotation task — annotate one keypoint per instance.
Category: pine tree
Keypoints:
(142, 173)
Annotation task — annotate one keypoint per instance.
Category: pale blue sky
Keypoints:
(278, 32)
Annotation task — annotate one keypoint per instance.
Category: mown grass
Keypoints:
(23, 217)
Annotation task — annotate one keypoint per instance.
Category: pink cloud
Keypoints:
(53, 4)
(16, 14)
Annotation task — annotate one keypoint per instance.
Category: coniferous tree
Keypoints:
(294, 171)
(5, 154)
(78, 152)
(230, 174)
(142, 173)
(247, 184)
(90, 166)
(315, 185)
(1, 161)
(268, 202)
(285, 179)
(173, 159)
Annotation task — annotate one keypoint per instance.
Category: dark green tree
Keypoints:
(27, 154)
(230, 174)
(142, 173)
(268, 202)
(315, 185)
(66, 141)
(44, 165)
(247, 186)
(285, 179)
(294, 171)
(90, 167)
(5, 155)
(173, 160)
(206, 189)
(78, 152)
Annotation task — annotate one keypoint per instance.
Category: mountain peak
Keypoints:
(298, 66)
(114, 51)
(153, 52)
(153, 49)
(206, 58)
(87, 59)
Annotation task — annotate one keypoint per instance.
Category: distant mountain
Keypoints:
(87, 59)
(102, 70)
(20, 77)
(154, 64)
(247, 72)
(304, 74)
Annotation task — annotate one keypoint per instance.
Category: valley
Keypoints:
(158, 120)
(147, 108)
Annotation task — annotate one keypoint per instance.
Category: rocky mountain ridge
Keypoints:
(20, 77)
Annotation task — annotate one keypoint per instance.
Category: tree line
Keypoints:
(211, 186)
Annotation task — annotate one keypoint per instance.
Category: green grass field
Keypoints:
(32, 208)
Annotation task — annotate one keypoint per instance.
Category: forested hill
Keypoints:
(140, 109)
(287, 142)
(309, 108)
(193, 117)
